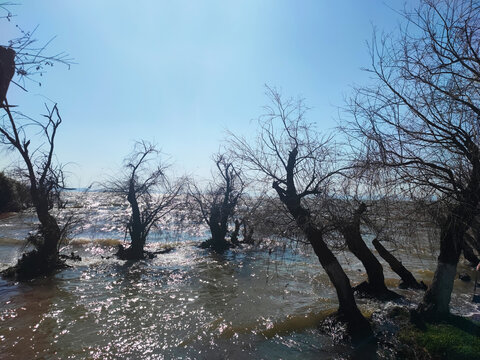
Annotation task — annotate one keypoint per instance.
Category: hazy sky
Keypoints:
(180, 73)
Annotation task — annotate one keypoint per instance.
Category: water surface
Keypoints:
(187, 304)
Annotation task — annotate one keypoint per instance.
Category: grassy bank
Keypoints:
(456, 338)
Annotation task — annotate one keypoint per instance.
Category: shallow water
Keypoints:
(187, 304)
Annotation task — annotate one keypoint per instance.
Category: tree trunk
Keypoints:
(376, 280)
(247, 233)
(375, 286)
(474, 234)
(218, 229)
(7, 70)
(436, 301)
(357, 326)
(468, 253)
(50, 232)
(49, 229)
(135, 251)
(44, 260)
(236, 231)
(218, 242)
(408, 280)
(135, 228)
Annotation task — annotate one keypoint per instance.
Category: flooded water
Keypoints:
(187, 304)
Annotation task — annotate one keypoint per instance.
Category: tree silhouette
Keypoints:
(216, 204)
(419, 122)
(149, 192)
(300, 165)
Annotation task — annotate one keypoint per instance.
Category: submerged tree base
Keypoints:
(367, 290)
(217, 246)
(412, 285)
(32, 265)
(135, 255)
(358, 333)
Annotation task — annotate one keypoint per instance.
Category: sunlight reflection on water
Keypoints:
(188, 304)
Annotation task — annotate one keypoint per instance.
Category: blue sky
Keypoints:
(180, 73)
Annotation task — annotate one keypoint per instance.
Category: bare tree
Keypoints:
(150, 193)
(300, 165)
(22, 58)
(46, 180)
(248, 216)
(420, 121)
(217, 203)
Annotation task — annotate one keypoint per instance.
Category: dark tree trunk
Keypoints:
(219, 213)
(247, 233)
(468, 253)
(50, 232)
(408, 280)
(436, 302)
(375, 286)
(218, 228)
(236, 231)
(218, 242)
(7, 70)
(136, 249)
(474, 238)
(49, 229)
(358, 327)
(44, 260)
(136, 229)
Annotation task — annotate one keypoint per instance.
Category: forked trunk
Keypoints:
(357, 326)
(376, 280)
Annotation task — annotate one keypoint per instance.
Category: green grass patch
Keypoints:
(456, 339)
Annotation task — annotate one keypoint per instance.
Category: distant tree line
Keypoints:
(14, 195)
